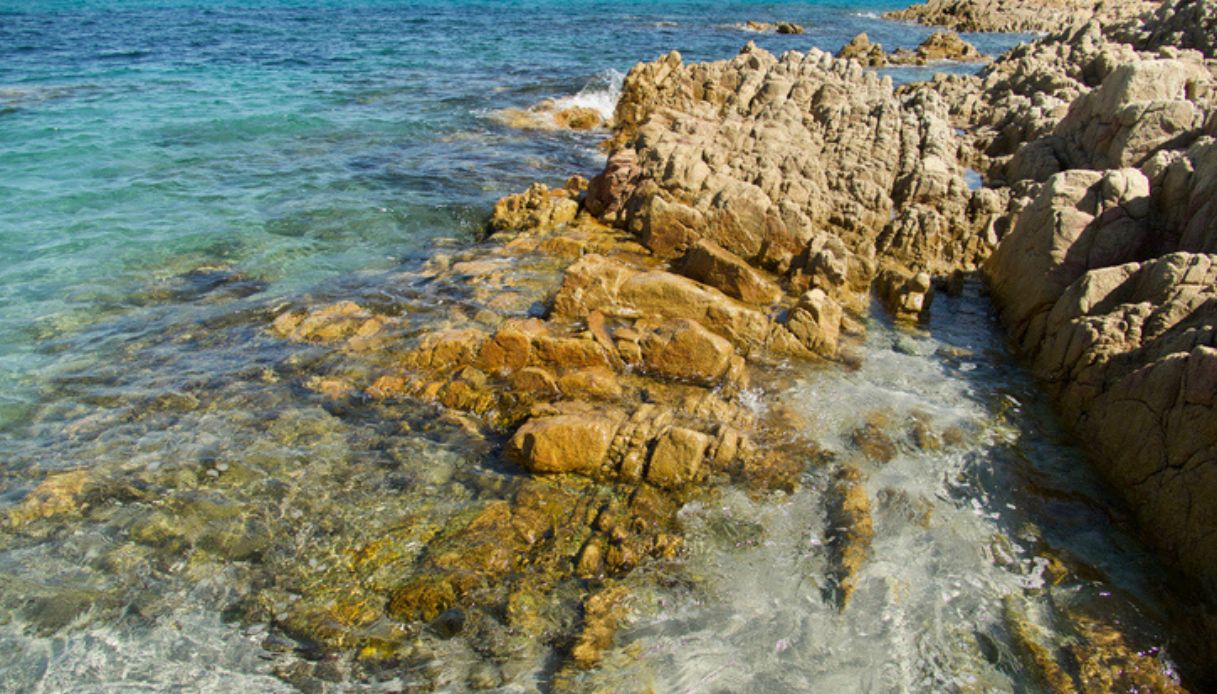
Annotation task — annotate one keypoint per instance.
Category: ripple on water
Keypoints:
(964, 546)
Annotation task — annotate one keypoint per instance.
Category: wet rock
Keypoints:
(677, 457)
(595, 383)
(340, 321)
(538, 207)
(448, 623)
(602, 613)
(511, 346)
(578, 118)
(873, 441)
(774, 27)
(684, 350)
(709, 264)
(447, 348)
(851, 529)
(60, 493)
(485, 676)
(565, 443)
(422, 600)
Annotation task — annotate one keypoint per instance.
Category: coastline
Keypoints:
(603, 344)
(718, 223)
(1113, 380)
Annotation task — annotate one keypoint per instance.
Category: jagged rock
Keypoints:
(538, 207)
(907, 295)
(947, 45)
(816, 322)
(595, 283)
(1124, 338)
(861, 49)
(1139, 107)
(1175, 24)
(764, 159)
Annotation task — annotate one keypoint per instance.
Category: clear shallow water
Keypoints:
(963, 539)
(175, 172)
(295, 143)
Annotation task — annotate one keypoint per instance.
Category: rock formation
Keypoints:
(1103, 137)
(1018, 15)
(774, 27)
(807, 167)
(939, 46)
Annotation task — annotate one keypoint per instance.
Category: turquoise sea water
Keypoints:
(173, 173)
(294, 142)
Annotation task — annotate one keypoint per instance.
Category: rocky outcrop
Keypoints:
(774, 27)
(938, 47)
(806, 167)
(1018, 15)
(1175, 24)
(1139, 108)
(1123, 336)
(1100, 138)
(861, 49)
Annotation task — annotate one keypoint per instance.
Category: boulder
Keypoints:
(536, 208)
(677, 457)
(565, 443)
(684, 350)
(595, 283)
(709, 264)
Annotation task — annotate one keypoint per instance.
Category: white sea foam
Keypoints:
(601, 94)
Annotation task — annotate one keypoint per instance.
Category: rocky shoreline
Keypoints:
(600, 347)
(1094, 227)
(749, 209)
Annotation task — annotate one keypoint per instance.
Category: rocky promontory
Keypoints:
(601, 352)
(749, 210)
